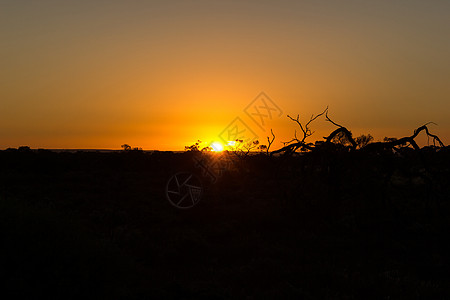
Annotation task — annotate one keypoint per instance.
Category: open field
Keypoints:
(324, 225)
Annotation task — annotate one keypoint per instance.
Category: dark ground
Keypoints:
(325, 225)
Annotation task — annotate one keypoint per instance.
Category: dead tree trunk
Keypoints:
(296, 143)
(378, 146)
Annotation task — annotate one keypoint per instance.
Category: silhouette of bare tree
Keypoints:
(344, 137)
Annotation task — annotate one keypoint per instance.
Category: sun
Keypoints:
(216, 146)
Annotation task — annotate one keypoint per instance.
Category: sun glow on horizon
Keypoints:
(158, 75)
(217, 146)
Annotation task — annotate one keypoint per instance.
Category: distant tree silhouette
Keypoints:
(388, 139)
(207, 149)
(193, 147)
(341, 138)
(363, 140)
(242, 149)
(126, 147)
(262, 148)
(24, 149)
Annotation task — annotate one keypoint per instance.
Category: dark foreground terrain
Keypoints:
(324, 225)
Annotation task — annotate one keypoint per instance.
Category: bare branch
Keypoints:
(291, 148)
(342, 130)
(297, 143)
(391, 143)
(315, 117)
(305, 132)
(270, 141)
(331, 121)
(435, 137)
(305, 128)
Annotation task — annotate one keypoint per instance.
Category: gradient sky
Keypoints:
(162, 74)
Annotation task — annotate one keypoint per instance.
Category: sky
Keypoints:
(163, 74)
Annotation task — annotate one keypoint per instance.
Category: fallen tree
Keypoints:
(342, 133)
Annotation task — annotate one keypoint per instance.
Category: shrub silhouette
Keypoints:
(126, 147)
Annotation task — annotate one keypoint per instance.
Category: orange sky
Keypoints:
(162, 74)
